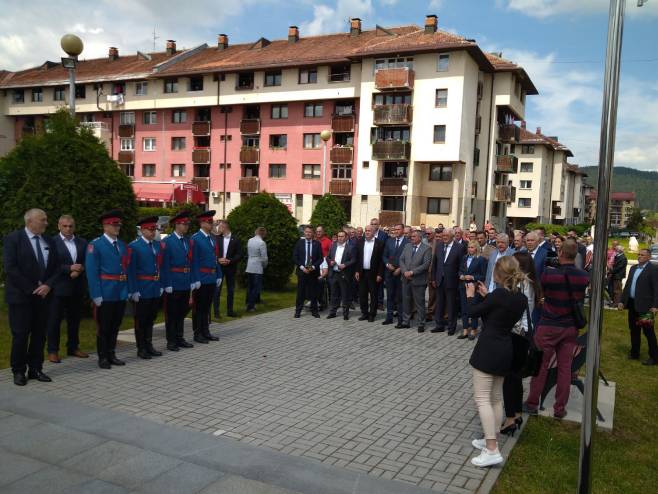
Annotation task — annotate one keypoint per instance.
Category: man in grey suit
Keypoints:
(414, 266)
(256, 264)
(340, 260)
(502, 249)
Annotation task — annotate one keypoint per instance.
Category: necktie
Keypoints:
(116, 246)
(182, 239)
(152, 248)
(212, 244)
(40, 258)
(415, 249)
(447, 253)
(308, 252)
(397, 243)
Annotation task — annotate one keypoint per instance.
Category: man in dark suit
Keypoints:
(307, 256)
(230, 253)
(414, 265)
(369, 273)
(69, 292)
(340, 261)
(382, 236)
(460, 240)
(32, 270)
(538, 254)
(640, 297)
(392, 274)
(447, 259)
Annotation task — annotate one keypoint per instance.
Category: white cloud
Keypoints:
(335, 19)
(549, 8)
(436, 4)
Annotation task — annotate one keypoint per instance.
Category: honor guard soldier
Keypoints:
(208, 272)
(106, 264)
(145, 286)
(177, 280)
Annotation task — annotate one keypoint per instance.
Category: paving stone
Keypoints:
(53, 479)
(14, 466)
(185, 477)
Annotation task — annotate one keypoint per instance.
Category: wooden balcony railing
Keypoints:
(202, 182)
(340, 187)
(126, 157)
(249, 185)
(201, 155)
(400, 114)
(509, 133)
(249, 154)
(127, 130)
(201, 129)
(391, 150)
(392, 186)
(507, 163)
(390, 218)
(250, 126)
(503, 193)
(394, 78)
(342, 123)
(341, 155)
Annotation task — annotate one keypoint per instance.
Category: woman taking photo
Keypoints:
(473, 269)
(493, 354)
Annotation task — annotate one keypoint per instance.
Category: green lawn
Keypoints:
(545, 460)
(624, 243)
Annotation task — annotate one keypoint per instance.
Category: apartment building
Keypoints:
(621, 207)
(417, 119)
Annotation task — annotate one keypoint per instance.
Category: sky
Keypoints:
(560, 43)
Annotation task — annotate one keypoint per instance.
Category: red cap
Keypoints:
(182, 220)
(111, 220)
(148, 226)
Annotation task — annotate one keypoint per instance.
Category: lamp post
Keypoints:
(325, 135)
(73, 46)
(405, 188)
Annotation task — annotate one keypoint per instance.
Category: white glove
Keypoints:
(219, 282)
(98, 301)
(136, 296)
(193, 286)
(169, 289)
(161, 290)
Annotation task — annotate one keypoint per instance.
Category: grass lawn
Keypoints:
(271, 301)
(545, 459)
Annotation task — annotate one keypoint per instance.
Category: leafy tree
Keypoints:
(635, 221)
(330, 214)
(265, 210)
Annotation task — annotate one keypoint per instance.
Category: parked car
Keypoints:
(654, 253)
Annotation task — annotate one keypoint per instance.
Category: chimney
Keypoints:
(538, 130)
(355, 26)
(293, 34)
(523, 124)
(222, 42)
(171, 47)
(431, 22)
(113, 53)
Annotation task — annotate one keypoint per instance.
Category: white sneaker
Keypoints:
(487, 458)
(479, 443)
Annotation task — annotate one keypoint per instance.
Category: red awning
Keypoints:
(188, 195)
(154, 193)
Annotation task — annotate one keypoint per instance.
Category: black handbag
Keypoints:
(577, 309)
(535, 356)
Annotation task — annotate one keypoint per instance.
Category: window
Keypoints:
(273, 78)
(80, 91)
(178, 170)
(127, 118)
(311, 171)
(476, 157)
(37, 95)
(527, 149)
(18, 96)
(392, 203)
(345, 108)
(245, 80)
(365, 164)
(341, 171)
(313, 110)
(441, 173)
(526, 167)
(344, 139)
(278, 141)
(392, 63)
(195, 84)
(279, 111)
(148, 170)
(395, 169)
(177, 143)
(389, 134)
(443, 63)
(340, 73)
(201, 141)
(227, 137)
(277, 171)
(127, 144)
(312, 141)
(251, 141)
(525, 202)
(525, 184)
(149, 144)
(141, 88)
(439, 134)
(202, 115)
(150, 117)
(392, 99)
(308, 76)
(441, 98)
(178, 116)
(128, 169)
(202, 170)
(59, 93)
(171, 86)
(438, 205)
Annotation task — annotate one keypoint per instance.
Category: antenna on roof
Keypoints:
(145, 56)
(154, 38)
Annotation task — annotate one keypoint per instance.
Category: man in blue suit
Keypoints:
(145, 285)
(392, 275)
(177, 281)
(382, 236)
(208, 274)
(447, 259)
(106, 264)
(502, 249)
(539, 254)
(307, 256)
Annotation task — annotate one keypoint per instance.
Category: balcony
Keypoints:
(249, 154)
(200, 129)
(201, 155)
(400, 114)
(249, 185)
(341, 154)
(126, 157)
(127, 130)
(250, 126)
(503, 193)
(391, 150)
(392, 186)
(507, 163)
(556, 208)
(342, 123)
(390, 218)
(340, 187)
(202, 182)
(395, 78)
(509, 133)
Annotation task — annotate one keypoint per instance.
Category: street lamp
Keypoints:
(325, 135)
(73, 46)
(405, 188)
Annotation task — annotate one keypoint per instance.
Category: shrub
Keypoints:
(330, 214)
(264, 210)
(557, 229)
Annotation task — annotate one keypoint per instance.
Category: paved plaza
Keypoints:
(354, 400)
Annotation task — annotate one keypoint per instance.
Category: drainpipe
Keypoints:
(492, 120)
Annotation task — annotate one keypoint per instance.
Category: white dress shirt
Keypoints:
(447, 251)
(226, 240)
(70, 245)
(42, 244)
(368, 247)
(340, 250)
